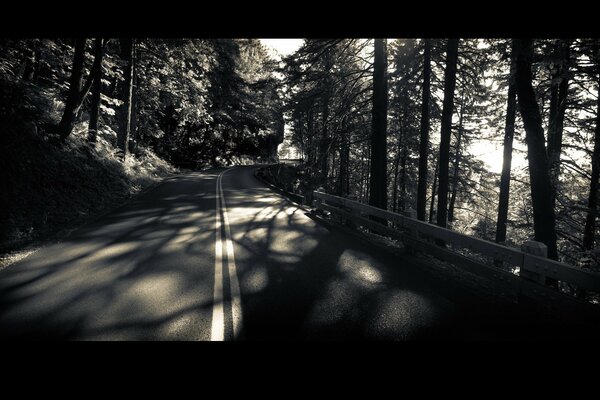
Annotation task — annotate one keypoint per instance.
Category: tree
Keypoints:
(558, 105)
(127, 54)
(424, 132)
(509, 131)
(96, 90)
(457, 160)
(590, 222)
(541, 187)
(446, 130)
(74, 97)
(378, 182)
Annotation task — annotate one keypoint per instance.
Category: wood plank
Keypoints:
(513, 257)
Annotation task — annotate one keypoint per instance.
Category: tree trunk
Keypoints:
(449, 85)
(323, 144)
(134, 102)
(367, 171)
(541, 188)
(456, 166)
(324, 140)
(424, 134)
(402, 197)
(396, 171)
(96, 90)
(343, 178)
(378, 182)
(311, 131)
(65, 126)
(558, 106)
(433, 190)
(126, 94)
(31, 60)
(590, 222)
(509, 131)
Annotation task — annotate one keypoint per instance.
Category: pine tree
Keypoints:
(378, 182)
(449, 86)
(541, 189)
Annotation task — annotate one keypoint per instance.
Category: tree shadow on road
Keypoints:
(124, 277)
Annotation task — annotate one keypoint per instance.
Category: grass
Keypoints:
(49, 188)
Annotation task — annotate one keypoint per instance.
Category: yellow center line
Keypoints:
(236, 306)
(218, 319)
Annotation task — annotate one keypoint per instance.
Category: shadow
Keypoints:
(301, 280)
(146, 272)
(143, 272)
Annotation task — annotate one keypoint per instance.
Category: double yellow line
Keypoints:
(218, 316)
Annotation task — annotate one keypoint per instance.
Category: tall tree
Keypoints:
(96, 90)
(126, 95)
(134, 102)
(558, 104)
(590, 222)
(65, 126)
(457, 154)
(324, 140)
(32, 61)
(509, 132)
(378, 181)
(343, 176)
(424, 132)
(541, 187)
(446, 130)
(433, 190)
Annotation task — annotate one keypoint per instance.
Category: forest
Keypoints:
(86, 123)
(395, 123)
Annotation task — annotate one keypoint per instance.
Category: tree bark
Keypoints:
(310, 126)
(590, 222)
(456, 166)
(65, 126)
(126, 94)
(396, 172)
(433, 190)
(541, 188)
(343, 177)
(134, 102)
(424, 134)
(449, 86)
(558, 106)
(509, 132)
(96, 90)
(402, 197)
(324, 140)
(378, 182)
(31, 61)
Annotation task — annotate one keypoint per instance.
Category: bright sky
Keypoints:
(282, 47)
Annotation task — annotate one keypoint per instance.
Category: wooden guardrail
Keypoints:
(534, 268)
(259, 173)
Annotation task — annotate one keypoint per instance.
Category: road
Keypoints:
(217, 255)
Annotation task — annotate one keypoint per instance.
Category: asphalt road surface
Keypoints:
(217, 255)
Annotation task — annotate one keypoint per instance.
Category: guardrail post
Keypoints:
(348, 222)
(317, 201)
(411, 213)
(537, 249)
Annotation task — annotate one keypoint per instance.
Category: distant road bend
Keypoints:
(216, 255)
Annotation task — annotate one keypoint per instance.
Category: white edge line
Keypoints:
(217, 331)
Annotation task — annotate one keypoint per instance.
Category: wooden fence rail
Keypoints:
(534, 269)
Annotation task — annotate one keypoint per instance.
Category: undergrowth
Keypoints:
(48, 187)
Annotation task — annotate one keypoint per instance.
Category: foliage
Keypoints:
(196, 102)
